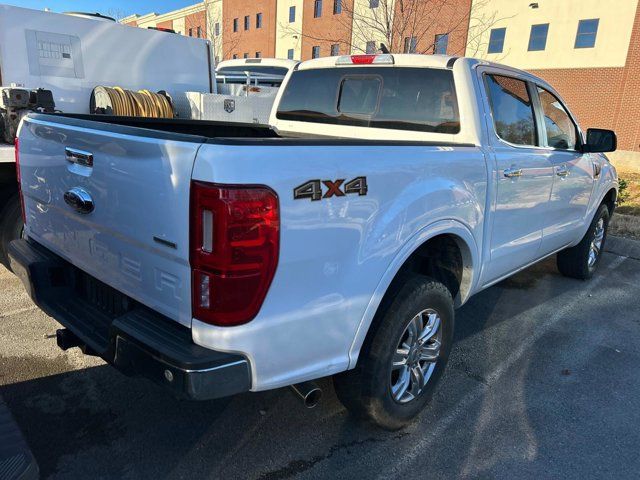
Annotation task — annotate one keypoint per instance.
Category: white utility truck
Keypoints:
(52, 62)
(222, 258)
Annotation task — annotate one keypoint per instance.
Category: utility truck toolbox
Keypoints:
(216, 258)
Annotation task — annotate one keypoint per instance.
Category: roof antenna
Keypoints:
(383, 48)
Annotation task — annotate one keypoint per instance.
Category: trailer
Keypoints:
(51, 62)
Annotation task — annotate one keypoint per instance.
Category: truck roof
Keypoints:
(410, 60)
(400, 60)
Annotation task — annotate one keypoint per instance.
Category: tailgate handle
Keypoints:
(79, 157)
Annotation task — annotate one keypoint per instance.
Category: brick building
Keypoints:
(589, 50)
(191, 20)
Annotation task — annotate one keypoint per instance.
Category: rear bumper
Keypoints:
(133, 338)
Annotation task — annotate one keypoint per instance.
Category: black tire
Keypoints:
(574, 262)
(10, 226)
(366, 390)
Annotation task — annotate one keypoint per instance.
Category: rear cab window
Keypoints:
(401, 98)
(512, 109)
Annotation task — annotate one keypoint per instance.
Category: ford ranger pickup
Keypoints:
(217, 259)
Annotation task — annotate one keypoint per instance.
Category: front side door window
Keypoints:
(561, 132)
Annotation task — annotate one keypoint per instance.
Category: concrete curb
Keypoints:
(624, 247)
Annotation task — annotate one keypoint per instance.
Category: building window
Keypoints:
(317, 8)
(587, 31)
(217, 29)
(235, 56)
(292, 14)
(258, 54)
(235, 24)
(246, 55)
(371, 47)
(258, 20)
(441, 44)
(315, 52)
(374, 3)
(335, 49)
(337, 7)
(410, 44)
(199, 32)
(247, 22)
(496, 40)
(191, 32)
(538, 37)
(290, 54)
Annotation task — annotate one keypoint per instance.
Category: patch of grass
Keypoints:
(629, 201)
(625, 226)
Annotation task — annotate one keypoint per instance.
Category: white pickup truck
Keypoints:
(217, 259)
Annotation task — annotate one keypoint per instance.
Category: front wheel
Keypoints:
(403, 360)
(582, 260)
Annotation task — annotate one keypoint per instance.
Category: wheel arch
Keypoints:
(427, 252)
(610, 199)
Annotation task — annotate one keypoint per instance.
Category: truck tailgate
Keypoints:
(113, 201)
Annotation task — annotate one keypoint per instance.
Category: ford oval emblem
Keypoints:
(79, 199)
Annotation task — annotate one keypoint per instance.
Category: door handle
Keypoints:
(513, 172)
(79, 157)
(563, 171)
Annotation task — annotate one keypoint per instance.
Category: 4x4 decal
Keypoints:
(313, 189)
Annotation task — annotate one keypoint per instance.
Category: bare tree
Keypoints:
(116, 13)
(223, 49)
(481, 22)
(408, 26)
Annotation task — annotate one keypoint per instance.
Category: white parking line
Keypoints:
(423, 444)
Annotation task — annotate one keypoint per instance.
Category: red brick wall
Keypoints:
(327, 29)
(194, 21)
(168, 24)
(432, 18)
(254, 40)
(605, 97)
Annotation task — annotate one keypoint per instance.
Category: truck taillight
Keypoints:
(235, 236)
(17, 154)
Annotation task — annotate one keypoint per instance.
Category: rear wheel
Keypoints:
(403, 360)
(11, 227)
(582, 260)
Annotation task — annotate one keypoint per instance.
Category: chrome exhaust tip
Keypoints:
(309, 392)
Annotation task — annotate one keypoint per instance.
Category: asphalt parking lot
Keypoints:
(543, 382)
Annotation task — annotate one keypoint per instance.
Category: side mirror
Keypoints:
(600, 141)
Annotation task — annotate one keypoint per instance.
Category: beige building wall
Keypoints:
(179, 26)
(288, 35)
(612, 41)
(148, 20)
(364, 20)
(214, 15)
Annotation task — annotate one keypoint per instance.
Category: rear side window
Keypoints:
(421, 99)
(512, 109)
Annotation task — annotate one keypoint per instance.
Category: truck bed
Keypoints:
(210, 131)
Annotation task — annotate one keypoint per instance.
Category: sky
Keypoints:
(106, 7)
